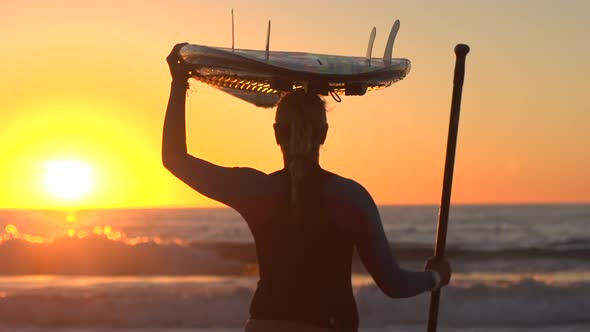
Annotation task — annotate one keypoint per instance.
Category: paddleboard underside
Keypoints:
(261, 78)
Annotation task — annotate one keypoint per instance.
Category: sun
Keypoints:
(68, 179)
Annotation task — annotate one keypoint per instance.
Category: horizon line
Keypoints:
(164, 207)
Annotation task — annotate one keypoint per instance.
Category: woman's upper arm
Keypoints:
(228, 185)
(375, 252)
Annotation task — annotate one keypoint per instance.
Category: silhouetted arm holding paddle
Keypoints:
(374, 250)
(216, 182)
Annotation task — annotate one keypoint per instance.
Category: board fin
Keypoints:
(389, 47)
(232, 29)
(371, 42)
(267, 52)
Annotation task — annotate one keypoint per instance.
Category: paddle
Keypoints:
(461, 51)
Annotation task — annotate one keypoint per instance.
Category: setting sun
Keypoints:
(68, 179)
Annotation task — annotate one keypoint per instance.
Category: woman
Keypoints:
(305, 220)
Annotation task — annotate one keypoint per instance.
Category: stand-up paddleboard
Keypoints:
(259, 77)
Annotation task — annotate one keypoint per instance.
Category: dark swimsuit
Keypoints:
(304, 263)
(305, 256)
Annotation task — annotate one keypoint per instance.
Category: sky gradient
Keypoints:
(88, 81)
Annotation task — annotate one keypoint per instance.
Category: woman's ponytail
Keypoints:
(303, 117)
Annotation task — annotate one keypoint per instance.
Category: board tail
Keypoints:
(370, 47)
(267, 53)
(389, 47)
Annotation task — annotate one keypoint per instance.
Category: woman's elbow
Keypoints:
(172, 162)
(397, 292)
(402, 286)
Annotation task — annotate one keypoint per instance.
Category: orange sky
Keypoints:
(88, 81)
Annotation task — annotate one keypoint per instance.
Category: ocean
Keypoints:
(516, 268)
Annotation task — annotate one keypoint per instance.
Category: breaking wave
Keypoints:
(102, 255)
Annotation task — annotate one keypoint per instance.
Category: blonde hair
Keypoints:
(302, 125)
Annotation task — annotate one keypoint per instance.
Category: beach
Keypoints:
(516, 268)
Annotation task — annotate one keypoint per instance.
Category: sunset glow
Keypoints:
(68, 179)
(89, 82)
(112, 217)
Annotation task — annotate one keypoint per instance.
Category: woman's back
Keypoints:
(304, 257)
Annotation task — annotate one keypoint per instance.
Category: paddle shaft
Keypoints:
(461, 51)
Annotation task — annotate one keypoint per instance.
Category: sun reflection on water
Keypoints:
(11, 232)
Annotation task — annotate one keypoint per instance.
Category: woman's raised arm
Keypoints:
(174, 150)
(227, 185)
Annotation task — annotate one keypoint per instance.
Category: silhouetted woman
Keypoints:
(305, 220)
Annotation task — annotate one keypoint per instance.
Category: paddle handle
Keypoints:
(461, 51)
